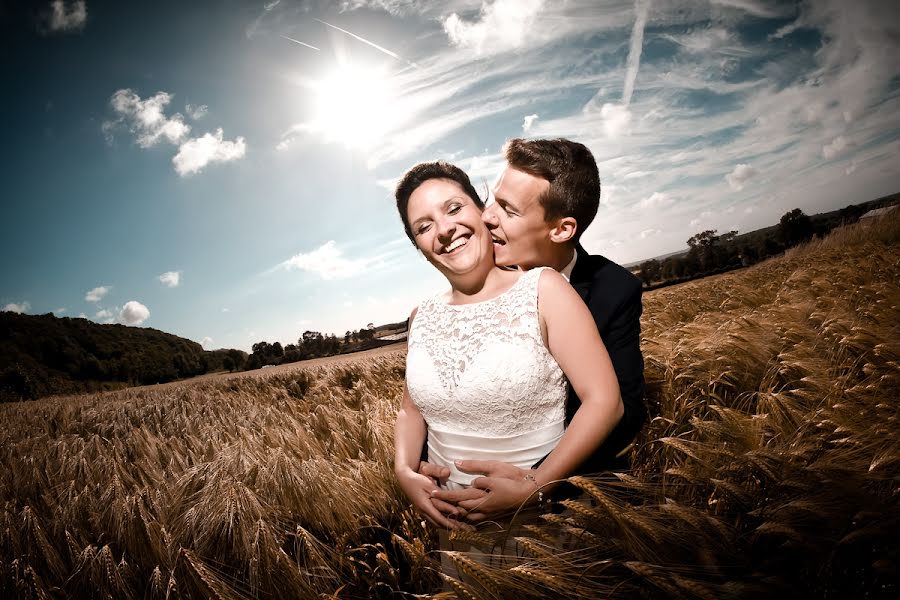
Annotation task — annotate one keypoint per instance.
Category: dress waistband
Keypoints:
(521, 450)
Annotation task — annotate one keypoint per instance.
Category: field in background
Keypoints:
(770, 467)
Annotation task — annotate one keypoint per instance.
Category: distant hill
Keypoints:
(42, 355)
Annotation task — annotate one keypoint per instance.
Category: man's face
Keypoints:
(516, 220)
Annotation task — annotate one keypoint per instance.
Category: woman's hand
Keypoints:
(419, 489)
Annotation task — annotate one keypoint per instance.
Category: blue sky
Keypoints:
(223, 170)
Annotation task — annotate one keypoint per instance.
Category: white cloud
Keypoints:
(97, 294)
(196, 153)
(528, 121)
(327, 261)
(656, 200)
(836, 146)
(703, 218)
(196, 112)
(225, 309)
(60, 310)
(170, 278)
(63, 18)
(133, 313)
(616, 120)
(739, 176)
(20, 307)
(146, 119)
(206, 342)
(104, 316)
(502, 25)
(649, 232)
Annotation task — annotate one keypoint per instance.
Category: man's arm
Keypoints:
(623, 343)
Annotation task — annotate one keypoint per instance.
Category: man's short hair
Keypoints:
(421, 173)
(572, 172)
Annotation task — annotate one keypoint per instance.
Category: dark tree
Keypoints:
(795, 228)
(650, 271)
(238, 358)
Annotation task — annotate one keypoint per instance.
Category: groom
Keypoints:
(543, 201)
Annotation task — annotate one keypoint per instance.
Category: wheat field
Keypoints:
(770, 466)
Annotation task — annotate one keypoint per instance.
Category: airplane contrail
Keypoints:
(641, 8)
(365, 41)
(299, 42)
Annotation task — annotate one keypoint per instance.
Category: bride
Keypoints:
(489, 360)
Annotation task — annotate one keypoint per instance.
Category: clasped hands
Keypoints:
(502, 488)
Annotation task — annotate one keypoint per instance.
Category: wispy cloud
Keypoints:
(97, 294)
(170, 278)
(17, 307)
(327, 261)
(528, 121)
(66, 17)
(330, 261)
(196, 111)
(656, 200)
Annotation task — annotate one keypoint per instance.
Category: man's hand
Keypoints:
(438, 474)
(503, 488)
(419, 488)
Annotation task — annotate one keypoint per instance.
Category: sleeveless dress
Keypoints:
(484, 381)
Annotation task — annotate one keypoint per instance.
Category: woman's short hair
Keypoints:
(572, 172)
(421, 173)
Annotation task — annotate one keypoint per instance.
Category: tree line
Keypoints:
(313, 344)
(43, 355)
(710, 252)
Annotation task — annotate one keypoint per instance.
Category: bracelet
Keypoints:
(540, 496)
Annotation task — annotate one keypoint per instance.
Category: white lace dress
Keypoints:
(484, 381)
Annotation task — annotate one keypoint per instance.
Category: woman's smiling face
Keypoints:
(448, 229)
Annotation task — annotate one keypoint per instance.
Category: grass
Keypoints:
(770, 466)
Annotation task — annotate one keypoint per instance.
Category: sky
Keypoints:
(223, 171)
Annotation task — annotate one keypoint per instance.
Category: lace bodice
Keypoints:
(482, 368)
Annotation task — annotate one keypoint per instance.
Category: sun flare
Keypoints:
(355, 106)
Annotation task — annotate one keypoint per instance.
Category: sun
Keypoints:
(355, 106)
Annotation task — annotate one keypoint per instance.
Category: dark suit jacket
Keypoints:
(613, 296)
